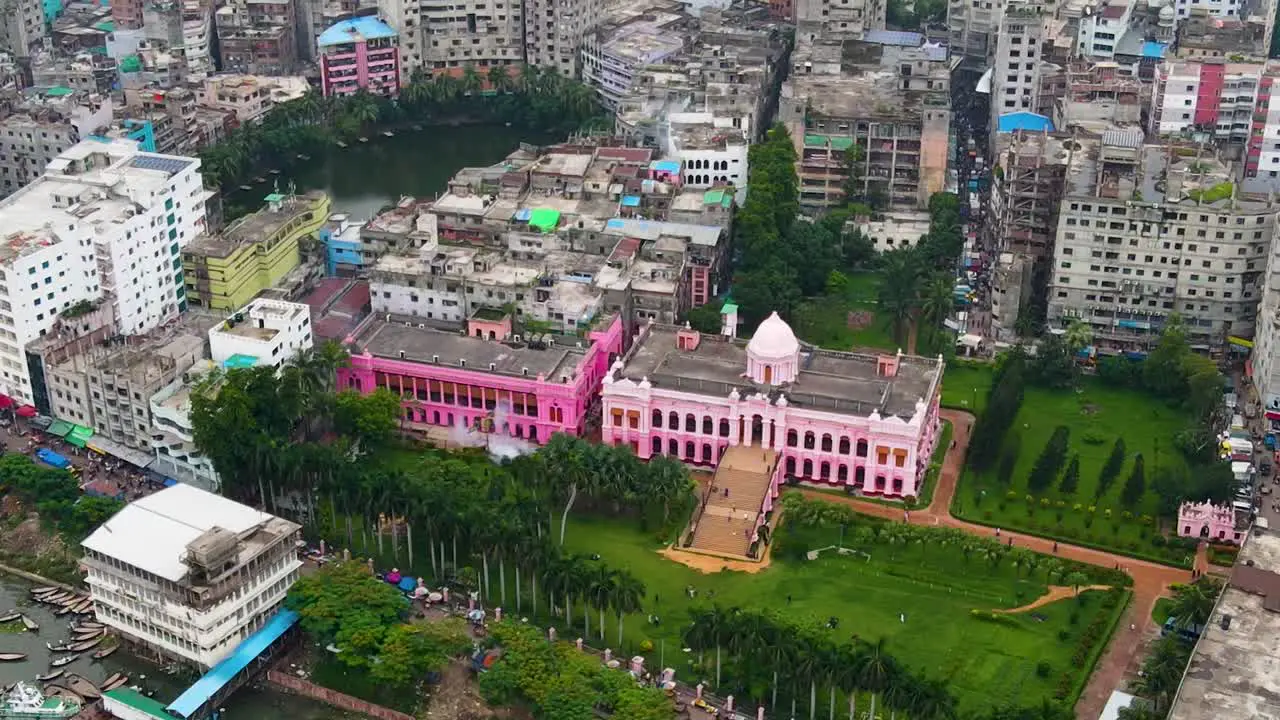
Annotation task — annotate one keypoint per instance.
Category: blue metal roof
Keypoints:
(219, 675)
(1025, 121)
(893, 37)
(1153, 49)
(669, 166)
(356, 30)
(630, 201)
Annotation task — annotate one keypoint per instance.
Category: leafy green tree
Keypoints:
(1136, 485)
(1009, 459)
(1076, 580)
(344, 604)
(1193, 602)
(1050, 461)
(408, 652)
(1111, 468)
(1162, 673)
(1070, 477)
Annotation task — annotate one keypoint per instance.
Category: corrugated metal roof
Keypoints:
(893, 37)
(1122, 138)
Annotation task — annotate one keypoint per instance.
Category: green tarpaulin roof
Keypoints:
(58, 91)
(79, 435)
(60, 428)
(545, 219)
(836, 143)
(133, 63)
(137, 701)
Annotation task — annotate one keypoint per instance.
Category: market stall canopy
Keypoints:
(27, 411)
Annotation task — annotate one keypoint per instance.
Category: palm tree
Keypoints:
(876, 670)
(937, 299)
(1193, 603)
(471, 83)
(1077, 336)
(899, 291)
(628, 593)
(499, 78)
(601, 582)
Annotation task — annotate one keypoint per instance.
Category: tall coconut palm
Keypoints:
(876, 670)
(1077, 336)
(471, 83)
(628, 594)
(899, 291)
(1193, 603)
(499, 78)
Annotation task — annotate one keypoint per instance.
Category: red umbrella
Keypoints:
(26, 411)
(5, 402)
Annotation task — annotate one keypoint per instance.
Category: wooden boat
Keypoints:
(364, 139)
(43, 589)
(246, 187)
(83, 608)
(87, 635)
(64, 660)
(88, 625)
(74, 600)
(55, 598)
(12, 657)
(341, 144)
(114, 682)
(30, 624)
(56, 648)
(62, 611)
(388, 133)
(86, 645)
(10, 618)
(50, 676)
(105, 652)
(83, 688)
(63, 692)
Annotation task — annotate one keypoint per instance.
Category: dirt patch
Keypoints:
(1089, 409)
(859, 319)
(710, 563)
(458, 698)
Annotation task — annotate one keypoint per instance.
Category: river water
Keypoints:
(248, 703)
(365, 177)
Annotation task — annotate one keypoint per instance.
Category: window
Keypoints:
(690, 423)
(617, 417)
(656, 421)
(793, 438)
(826, 442)
(862, 448)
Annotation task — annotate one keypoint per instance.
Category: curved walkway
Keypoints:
(1056, 593)
(1150, 580)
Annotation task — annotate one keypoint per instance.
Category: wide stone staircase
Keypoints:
(726, 523)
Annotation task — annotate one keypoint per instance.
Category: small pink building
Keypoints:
(868, 422)
(1215, 523)
(453, 380)
(361, 52)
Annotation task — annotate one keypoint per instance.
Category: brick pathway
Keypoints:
(1150, 580)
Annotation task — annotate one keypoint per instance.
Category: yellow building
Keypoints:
(226, 271)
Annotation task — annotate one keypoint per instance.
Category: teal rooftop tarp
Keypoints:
(239, 362)
(189, 702)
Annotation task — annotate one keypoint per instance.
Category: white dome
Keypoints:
(1166, 12)
(773, 339)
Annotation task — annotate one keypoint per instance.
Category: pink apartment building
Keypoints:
(481, 380)
(1215, 523)
(359, 53)
(864, 422)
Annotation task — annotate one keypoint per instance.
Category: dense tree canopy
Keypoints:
(55, 494)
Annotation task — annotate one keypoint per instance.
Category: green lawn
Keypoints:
(965, 384)
(984, 663)
(1160, 612)
(1096, 416)
(823, 321)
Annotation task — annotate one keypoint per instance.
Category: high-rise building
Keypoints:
(448, 37)
(22, 28)
(554, 31)
(361, 53)
(842, 18)
(1149, 231)
(105, 221)
(1016, 66)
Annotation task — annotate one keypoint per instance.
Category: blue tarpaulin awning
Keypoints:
(204, 689)
(170, 482)
(1025, 121)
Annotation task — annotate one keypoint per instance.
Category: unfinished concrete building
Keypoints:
(891, 100)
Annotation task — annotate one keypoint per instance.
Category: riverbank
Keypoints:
(37, 579)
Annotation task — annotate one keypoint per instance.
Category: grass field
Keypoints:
(823, 321)
(1096, 416)
(965, 385)
(984, 663)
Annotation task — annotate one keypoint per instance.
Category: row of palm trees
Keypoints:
(529, 96)
(917, 289)
(766, 652)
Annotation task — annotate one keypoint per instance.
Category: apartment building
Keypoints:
(554, 31)
(109, 387)
(249, 96)
(360, 54)
(892, 101)
(189, 574)
(225, 270)
(173, 435)
(1201, 36)
(1213, 96)
(1147, 231)
(614, 54)
(264, 332)
(438, 36)
(970, 27)
(28, 144)
(840, 18)
(183, 28)
(709, 150)
(1018, 62)
(22, 27)
(105, 221)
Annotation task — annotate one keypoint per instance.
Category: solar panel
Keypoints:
(164, 164)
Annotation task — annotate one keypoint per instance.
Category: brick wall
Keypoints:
(297, 685)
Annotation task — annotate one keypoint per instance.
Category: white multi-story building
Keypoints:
(1101, 30)
(264, 332)
(1016, 67)
(105, 220)
(1210, 96)
(1147, 231)
(173, 435)
(615, 53)
(711, 151)
(190, 574)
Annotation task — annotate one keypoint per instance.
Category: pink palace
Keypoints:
(864, 422)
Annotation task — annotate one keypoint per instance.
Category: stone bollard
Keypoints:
(346, 554)
(760, 713)
(578, 644)
(728, 703)
(322, 548)
(551, 634)
(445, 593)
(608, 655)
(637, 665)
(497, 615)
(698, 691)
(668, 675)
